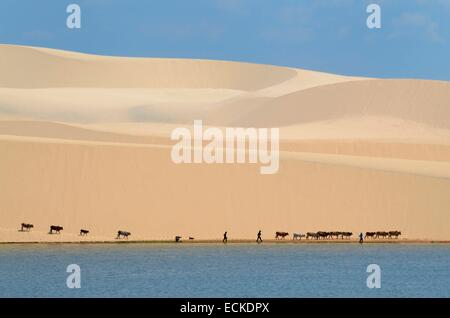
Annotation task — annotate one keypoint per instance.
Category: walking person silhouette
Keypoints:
(259, 239)
(361, 239)
(225, 238)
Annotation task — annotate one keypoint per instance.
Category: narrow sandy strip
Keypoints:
(237, 241)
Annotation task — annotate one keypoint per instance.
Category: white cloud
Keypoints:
(332, 3)
(233, 6)
(293, 23)
(182, 31)
(37, 35)
(443, 3)
(416, 24)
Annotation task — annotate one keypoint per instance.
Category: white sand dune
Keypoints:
(63, 69)
(84, 143)
(98, 105)
(416, 100)
(86, 88)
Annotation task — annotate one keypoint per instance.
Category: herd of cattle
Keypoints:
(56, 229)
(390, 234)
(322, 235)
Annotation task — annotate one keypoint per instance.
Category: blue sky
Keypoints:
(324, 35)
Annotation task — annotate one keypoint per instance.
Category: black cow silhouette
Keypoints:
(124, 234)
(26, 226)
(281, 235)
(56, 228)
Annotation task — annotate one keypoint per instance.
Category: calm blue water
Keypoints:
(235, 270)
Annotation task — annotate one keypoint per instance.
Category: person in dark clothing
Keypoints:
(259, 239)
(361, 238)
(225, 238)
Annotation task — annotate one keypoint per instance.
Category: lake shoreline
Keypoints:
(232, 242)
